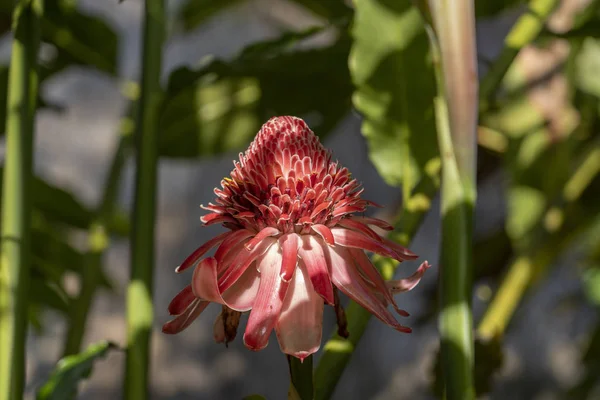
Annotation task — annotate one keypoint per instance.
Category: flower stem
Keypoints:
(16, 197)
(139, 292)
(301, 376)
(98, 242)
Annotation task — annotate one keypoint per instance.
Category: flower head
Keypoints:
(296, 233)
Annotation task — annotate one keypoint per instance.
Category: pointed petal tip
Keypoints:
(407, 284)
(302, 355)
(402, 313)
(167, 329)
(403, 329)
(325, 233)
(181, 301)
(255, 345)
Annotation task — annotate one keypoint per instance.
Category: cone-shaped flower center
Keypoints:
(286, 180)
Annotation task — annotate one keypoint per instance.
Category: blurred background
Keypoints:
(231, 64)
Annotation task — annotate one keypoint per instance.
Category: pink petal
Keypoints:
(181, 301)
(228, 274)
(311, 252)
(369, 270)
(325, 233)
(406, 284)
(360, 227)
(349, 238)
(268, 301)
(216, 218)
(243, 291)
(402, 252)
(373, 221)
(234, 239)
(200, 251)
(184, 320)
(300, 323)
(206, 287)
(347, 210)
(345, 276)
(289, 250)
(260, 236)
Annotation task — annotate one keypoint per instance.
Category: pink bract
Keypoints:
(296, 234)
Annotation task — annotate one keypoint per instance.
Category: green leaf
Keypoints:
(62, 384)
(195, 12)
(329, 9)
(59, 205)
(220, 107)
(84, 39)
(395, 86)
(591, 284)
(48, 294)
(53, 253)
(210, 118)
(587, 65)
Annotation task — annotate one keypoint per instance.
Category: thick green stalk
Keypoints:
(338, 351)
(301, 377)
(453, 46)
(455, 321)
(139, 292)
(98, 242)
(16, 199)
(525, 30)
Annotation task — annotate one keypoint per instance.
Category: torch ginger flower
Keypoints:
(294, 237)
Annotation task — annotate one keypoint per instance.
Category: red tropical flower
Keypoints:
(294, 237)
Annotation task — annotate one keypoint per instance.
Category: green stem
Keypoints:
(525, 30)
(16, 199)
(301, 377)
(455, 321)
(454, 55)
(140, 311)
(98, 242)
(338, 351)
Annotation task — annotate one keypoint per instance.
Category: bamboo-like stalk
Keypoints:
(16, 197)
(140, 311)
(98, 242)
(456, 109)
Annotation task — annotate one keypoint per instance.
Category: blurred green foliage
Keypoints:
(378, 61)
